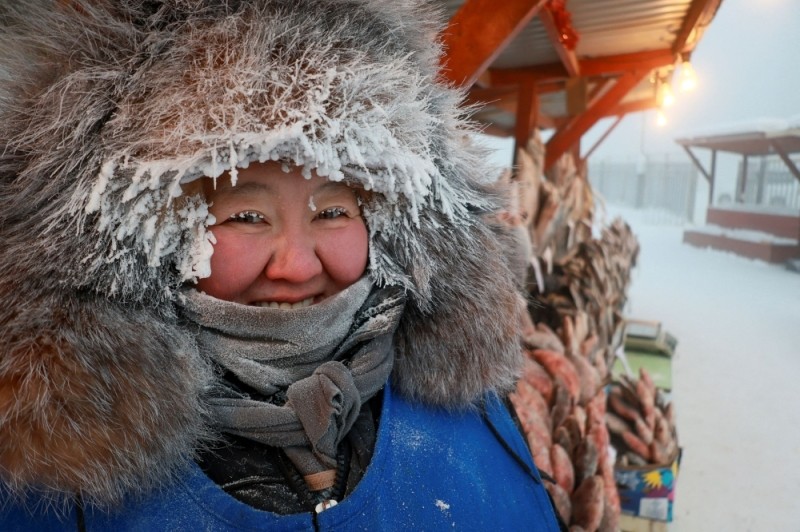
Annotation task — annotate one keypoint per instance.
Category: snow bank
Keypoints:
(734, 375)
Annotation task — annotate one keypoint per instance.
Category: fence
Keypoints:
(769, 183)
(664, 184)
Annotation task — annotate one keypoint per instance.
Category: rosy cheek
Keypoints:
(234, 266)
(344, 253)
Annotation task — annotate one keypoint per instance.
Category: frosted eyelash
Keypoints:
(333, 212)
(244, 216)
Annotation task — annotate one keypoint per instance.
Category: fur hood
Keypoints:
(108, 109)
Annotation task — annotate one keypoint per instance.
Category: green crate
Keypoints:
(647, 345)
(641, 335)
(658, 366)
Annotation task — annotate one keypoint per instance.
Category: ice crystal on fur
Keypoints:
(110, 112)
(367, 123)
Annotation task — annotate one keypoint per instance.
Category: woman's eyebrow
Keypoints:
(244, 189)
(333, 187)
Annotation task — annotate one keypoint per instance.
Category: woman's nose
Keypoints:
(294, 259)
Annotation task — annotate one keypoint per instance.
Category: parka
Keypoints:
(109, 112)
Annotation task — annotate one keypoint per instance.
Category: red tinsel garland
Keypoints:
(562, 18)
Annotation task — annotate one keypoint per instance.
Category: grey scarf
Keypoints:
(328, 359)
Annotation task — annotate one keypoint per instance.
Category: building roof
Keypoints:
(565, 64)
(759, 137)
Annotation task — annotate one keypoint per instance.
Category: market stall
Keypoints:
(761, 219)
(561, 66)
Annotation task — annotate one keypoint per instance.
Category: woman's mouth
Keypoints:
(284, 305)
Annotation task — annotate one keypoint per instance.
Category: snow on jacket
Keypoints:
(109, 110)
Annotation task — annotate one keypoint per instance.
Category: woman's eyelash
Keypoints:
(333, 212)
(247, 217)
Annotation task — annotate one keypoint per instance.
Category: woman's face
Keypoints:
(283, 240)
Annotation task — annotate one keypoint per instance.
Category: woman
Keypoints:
(175, 170)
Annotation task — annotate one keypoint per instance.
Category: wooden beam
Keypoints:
(620, 63)
(713, 177)
(566, 136)
(697, 163)
(761, 181)
(478, 32)
(506, 103)
(504, 98)
(527, 114)
(785, 158)
(599, 87)
(517, 76)
(633, 107)
(503, 93)
(741, 181)
(548, 87)
(599, 66)
(603, 137)
(568, 57)
(489, 94)
(699, 14)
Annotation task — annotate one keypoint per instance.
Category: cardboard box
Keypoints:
(628, 523)
(648, 491)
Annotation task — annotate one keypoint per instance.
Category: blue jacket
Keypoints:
(432, 470)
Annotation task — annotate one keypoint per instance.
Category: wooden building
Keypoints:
(761, 219)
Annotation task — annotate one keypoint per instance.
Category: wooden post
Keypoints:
(692, 194)
(762, 174)
(527, 115)
(603, 137)
(566, 135)
(741, 185)
(713, 178)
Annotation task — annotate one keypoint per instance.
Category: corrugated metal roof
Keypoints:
(618, 43)
(531, 47)
(604, 27)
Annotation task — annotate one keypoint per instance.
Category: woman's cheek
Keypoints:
(235, 265)
(344, 253)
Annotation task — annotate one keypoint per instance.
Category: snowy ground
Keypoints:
(736, 377)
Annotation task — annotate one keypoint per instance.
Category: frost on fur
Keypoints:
(338, 122)
(111, 110)
(141, 108)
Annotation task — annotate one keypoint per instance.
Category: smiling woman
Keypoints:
(204, 165)
(282, 239)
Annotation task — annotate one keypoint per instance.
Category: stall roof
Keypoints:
(565, 64)
(765, 137)
(749, 143)
(759, 137)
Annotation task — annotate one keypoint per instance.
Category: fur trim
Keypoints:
(467, 342)
(96, 399)
(109, 108)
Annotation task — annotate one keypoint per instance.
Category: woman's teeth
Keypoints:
(286, 306)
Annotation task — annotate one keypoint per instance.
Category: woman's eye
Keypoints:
(331, 213)
(247, 217)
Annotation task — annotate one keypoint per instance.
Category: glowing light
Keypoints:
(661, 119)
(667, 96)
(688, 79)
